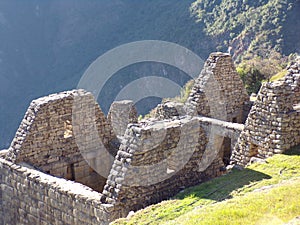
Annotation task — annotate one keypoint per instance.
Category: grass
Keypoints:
(276, 204)
(279, 75)
(265, 193)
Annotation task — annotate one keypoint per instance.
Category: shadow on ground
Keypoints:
(220, 188)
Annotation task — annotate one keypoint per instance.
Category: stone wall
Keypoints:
(169, 150)
(169, 110)
(47, 137)
(218, 91)
(222, 135)
(67, 135)
(156, 161)
(224, 129)
(28, 196)
(273, 125)
(292, 78)
(120, 114)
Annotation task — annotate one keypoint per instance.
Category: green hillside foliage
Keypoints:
(256, 70)
(262, 193)
(259, 21)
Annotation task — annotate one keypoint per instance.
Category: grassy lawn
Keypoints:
(266, 193)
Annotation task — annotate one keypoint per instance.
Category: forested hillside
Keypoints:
(251, 28)
(45, 46)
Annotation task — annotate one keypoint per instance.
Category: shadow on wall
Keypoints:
(219, 190)
(293, 151)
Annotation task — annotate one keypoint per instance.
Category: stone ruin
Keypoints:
(273, 124)
(121, 113)
(218, 91)
(69, 164)
(168, 110)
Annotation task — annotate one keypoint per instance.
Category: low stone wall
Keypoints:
(273, 126)
(156, 161)
(168, 110)
(28, 196)
(222, 128)
(222, 135)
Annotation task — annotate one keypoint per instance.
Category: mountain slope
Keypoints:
(251, 27)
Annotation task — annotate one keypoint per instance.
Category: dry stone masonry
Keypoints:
(69, 164)
(156, 161)
(29, 196)
(46, 139)
(169, 110)
(218, 91)
(120, 114)
(273, 124)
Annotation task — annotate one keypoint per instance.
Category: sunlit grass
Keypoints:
(275, 206)
(231, 199)
(279, 75)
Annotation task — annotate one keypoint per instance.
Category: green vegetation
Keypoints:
(68, 42)
(251, 77)
(256, 24)
(279, 75)
(254, 71)
(265, 193)
(259, 32)
(184, 93)
(274, 206)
